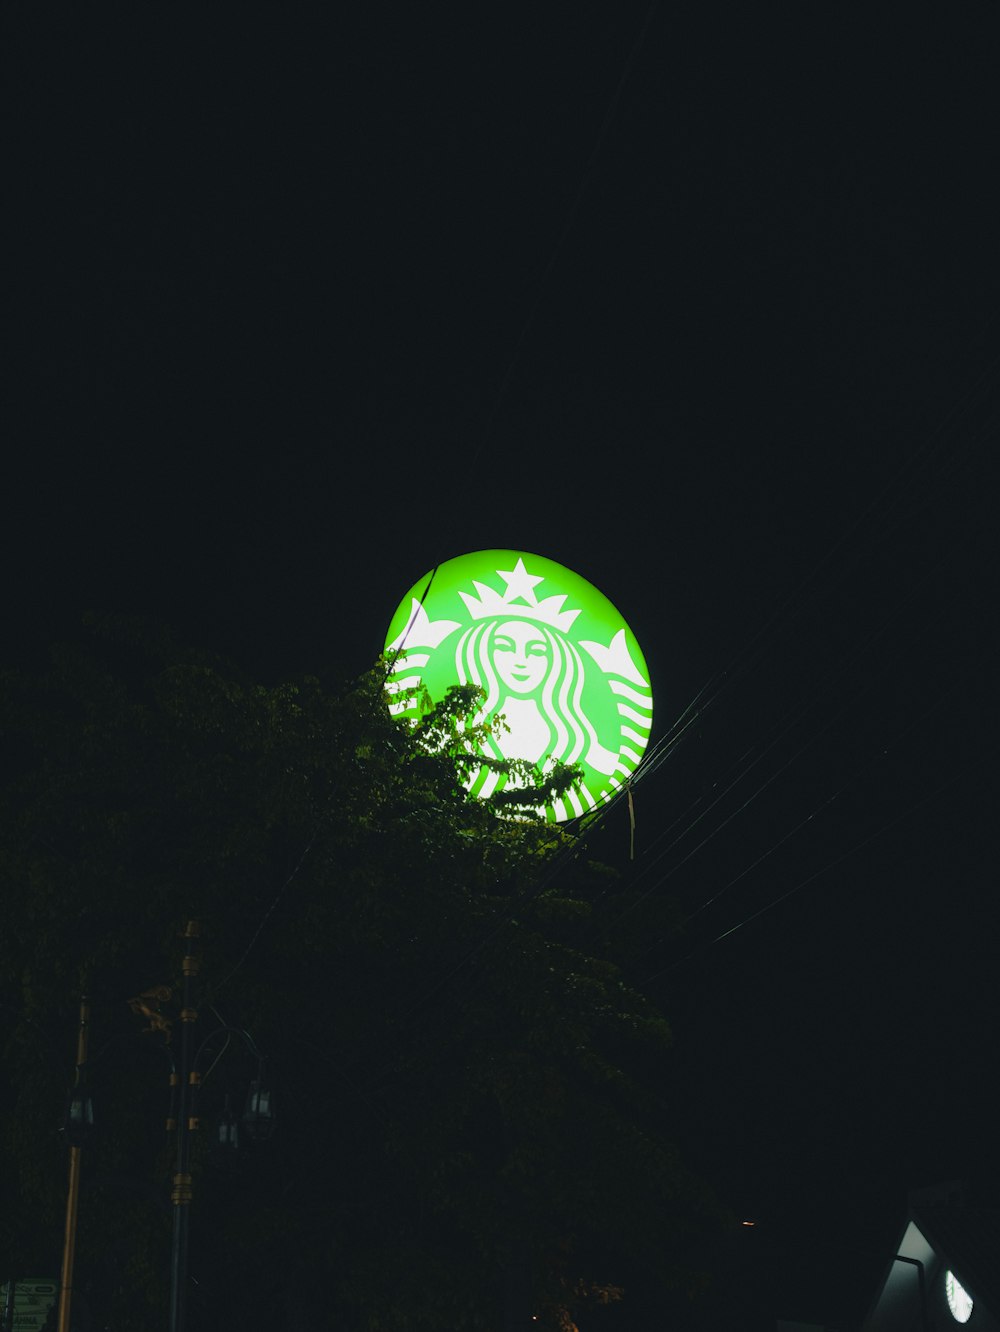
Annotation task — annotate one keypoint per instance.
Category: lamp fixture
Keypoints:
(258, 1117)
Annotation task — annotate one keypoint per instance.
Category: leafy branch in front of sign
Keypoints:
(456, 730)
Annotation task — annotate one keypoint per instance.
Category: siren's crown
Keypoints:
(518, 600)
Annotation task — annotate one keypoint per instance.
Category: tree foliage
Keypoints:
(465, 1140)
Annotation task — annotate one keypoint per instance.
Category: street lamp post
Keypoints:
(185, 1080)
(79, 1121)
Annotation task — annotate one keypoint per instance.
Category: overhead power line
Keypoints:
(811, 878)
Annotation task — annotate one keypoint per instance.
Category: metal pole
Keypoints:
(181, 1193)
(8, 1306)
(73, 1196)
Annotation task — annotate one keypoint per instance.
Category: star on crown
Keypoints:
(520, 589)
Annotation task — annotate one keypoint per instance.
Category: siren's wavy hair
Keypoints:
(570, 730)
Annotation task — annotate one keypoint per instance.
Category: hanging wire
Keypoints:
(720, 683)
(269, 911)
(729, 677)
(885, 749)
(748, 656)
(811, 878)
(508, 909)
(784, 726)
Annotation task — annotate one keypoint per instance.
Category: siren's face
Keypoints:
(520, 654)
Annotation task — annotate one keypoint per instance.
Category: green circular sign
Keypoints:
(551, 655)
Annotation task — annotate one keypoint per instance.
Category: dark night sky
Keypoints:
(701, 305)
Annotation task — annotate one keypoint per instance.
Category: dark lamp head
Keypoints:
(258, 1117)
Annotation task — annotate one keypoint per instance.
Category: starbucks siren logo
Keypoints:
(550, 653)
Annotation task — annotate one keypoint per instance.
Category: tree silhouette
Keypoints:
(468, 1136)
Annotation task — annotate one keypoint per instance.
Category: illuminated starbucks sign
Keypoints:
(550, 654)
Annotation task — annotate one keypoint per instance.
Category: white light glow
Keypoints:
(959, 1299)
